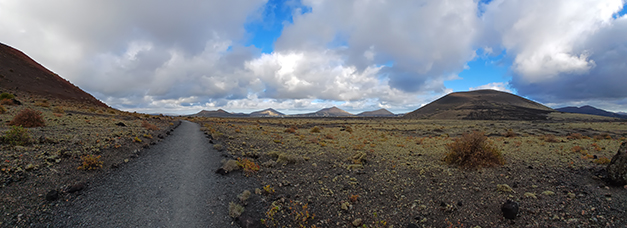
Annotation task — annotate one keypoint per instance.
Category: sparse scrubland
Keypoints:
(49, 144)
(391, 172)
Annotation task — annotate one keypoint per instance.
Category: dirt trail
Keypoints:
(171, 184)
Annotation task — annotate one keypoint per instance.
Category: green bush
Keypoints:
(17, 136)
(473, 151)
(6, 96)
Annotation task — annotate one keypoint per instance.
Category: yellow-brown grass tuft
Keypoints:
(90, 162)
(28, 118)
(315, 129)
(472, 150)
(510, 134)
(149, 126)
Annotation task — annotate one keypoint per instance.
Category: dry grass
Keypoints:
(149, 126)
(473, 151)
(6, 102)
(550, 138)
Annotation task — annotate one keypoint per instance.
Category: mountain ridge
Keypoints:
(590, 110)
(20, 73)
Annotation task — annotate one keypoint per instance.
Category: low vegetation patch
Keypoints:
(149, 126)
(6, 102)
(17, 136)
(315, 129)
(6, 96)
(28, 118)
(90, 162)
(58, 110)
(472, 150)
(247, 165)
(230, 165)
(235, 210)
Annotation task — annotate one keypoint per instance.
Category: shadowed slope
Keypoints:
(20, 73)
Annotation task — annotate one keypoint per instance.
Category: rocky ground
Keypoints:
(378, 172)
(47, 167)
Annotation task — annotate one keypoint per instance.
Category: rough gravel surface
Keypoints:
(172, 184)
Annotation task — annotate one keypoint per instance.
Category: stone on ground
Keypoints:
(617, 169)
(510, 209)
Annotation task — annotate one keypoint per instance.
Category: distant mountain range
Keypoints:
(591, 111)
(472, 105)
(326, 112)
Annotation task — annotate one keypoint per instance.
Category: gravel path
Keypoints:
(171, 184)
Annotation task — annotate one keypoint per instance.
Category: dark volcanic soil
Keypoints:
(389, 172)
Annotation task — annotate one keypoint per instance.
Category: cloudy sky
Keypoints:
(298, 56)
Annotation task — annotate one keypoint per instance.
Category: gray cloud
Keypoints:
(563, 53)
(183, 56)
(425, 40)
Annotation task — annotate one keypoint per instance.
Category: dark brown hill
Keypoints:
(218, 113)
(377, 113)
(267, 113)
(21, 74)
(326, 112)
(482, 105)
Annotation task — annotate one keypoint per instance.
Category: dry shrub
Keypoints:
(602, 161)
(149, 126)
(315, 129)
(58, 110)
(289, 159)
(576, 149)
(575, 136)
(244, 196)
(2, 109)
(248, 165)
(230, 165)
(90, 162)
(473, 151)
(17, 136)
(550, 138)
(7, 102)
(510, 134)
(218, 147)
(28, 118)
(290, 130)
(329, 136)
(235, 210)
(43, 103)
